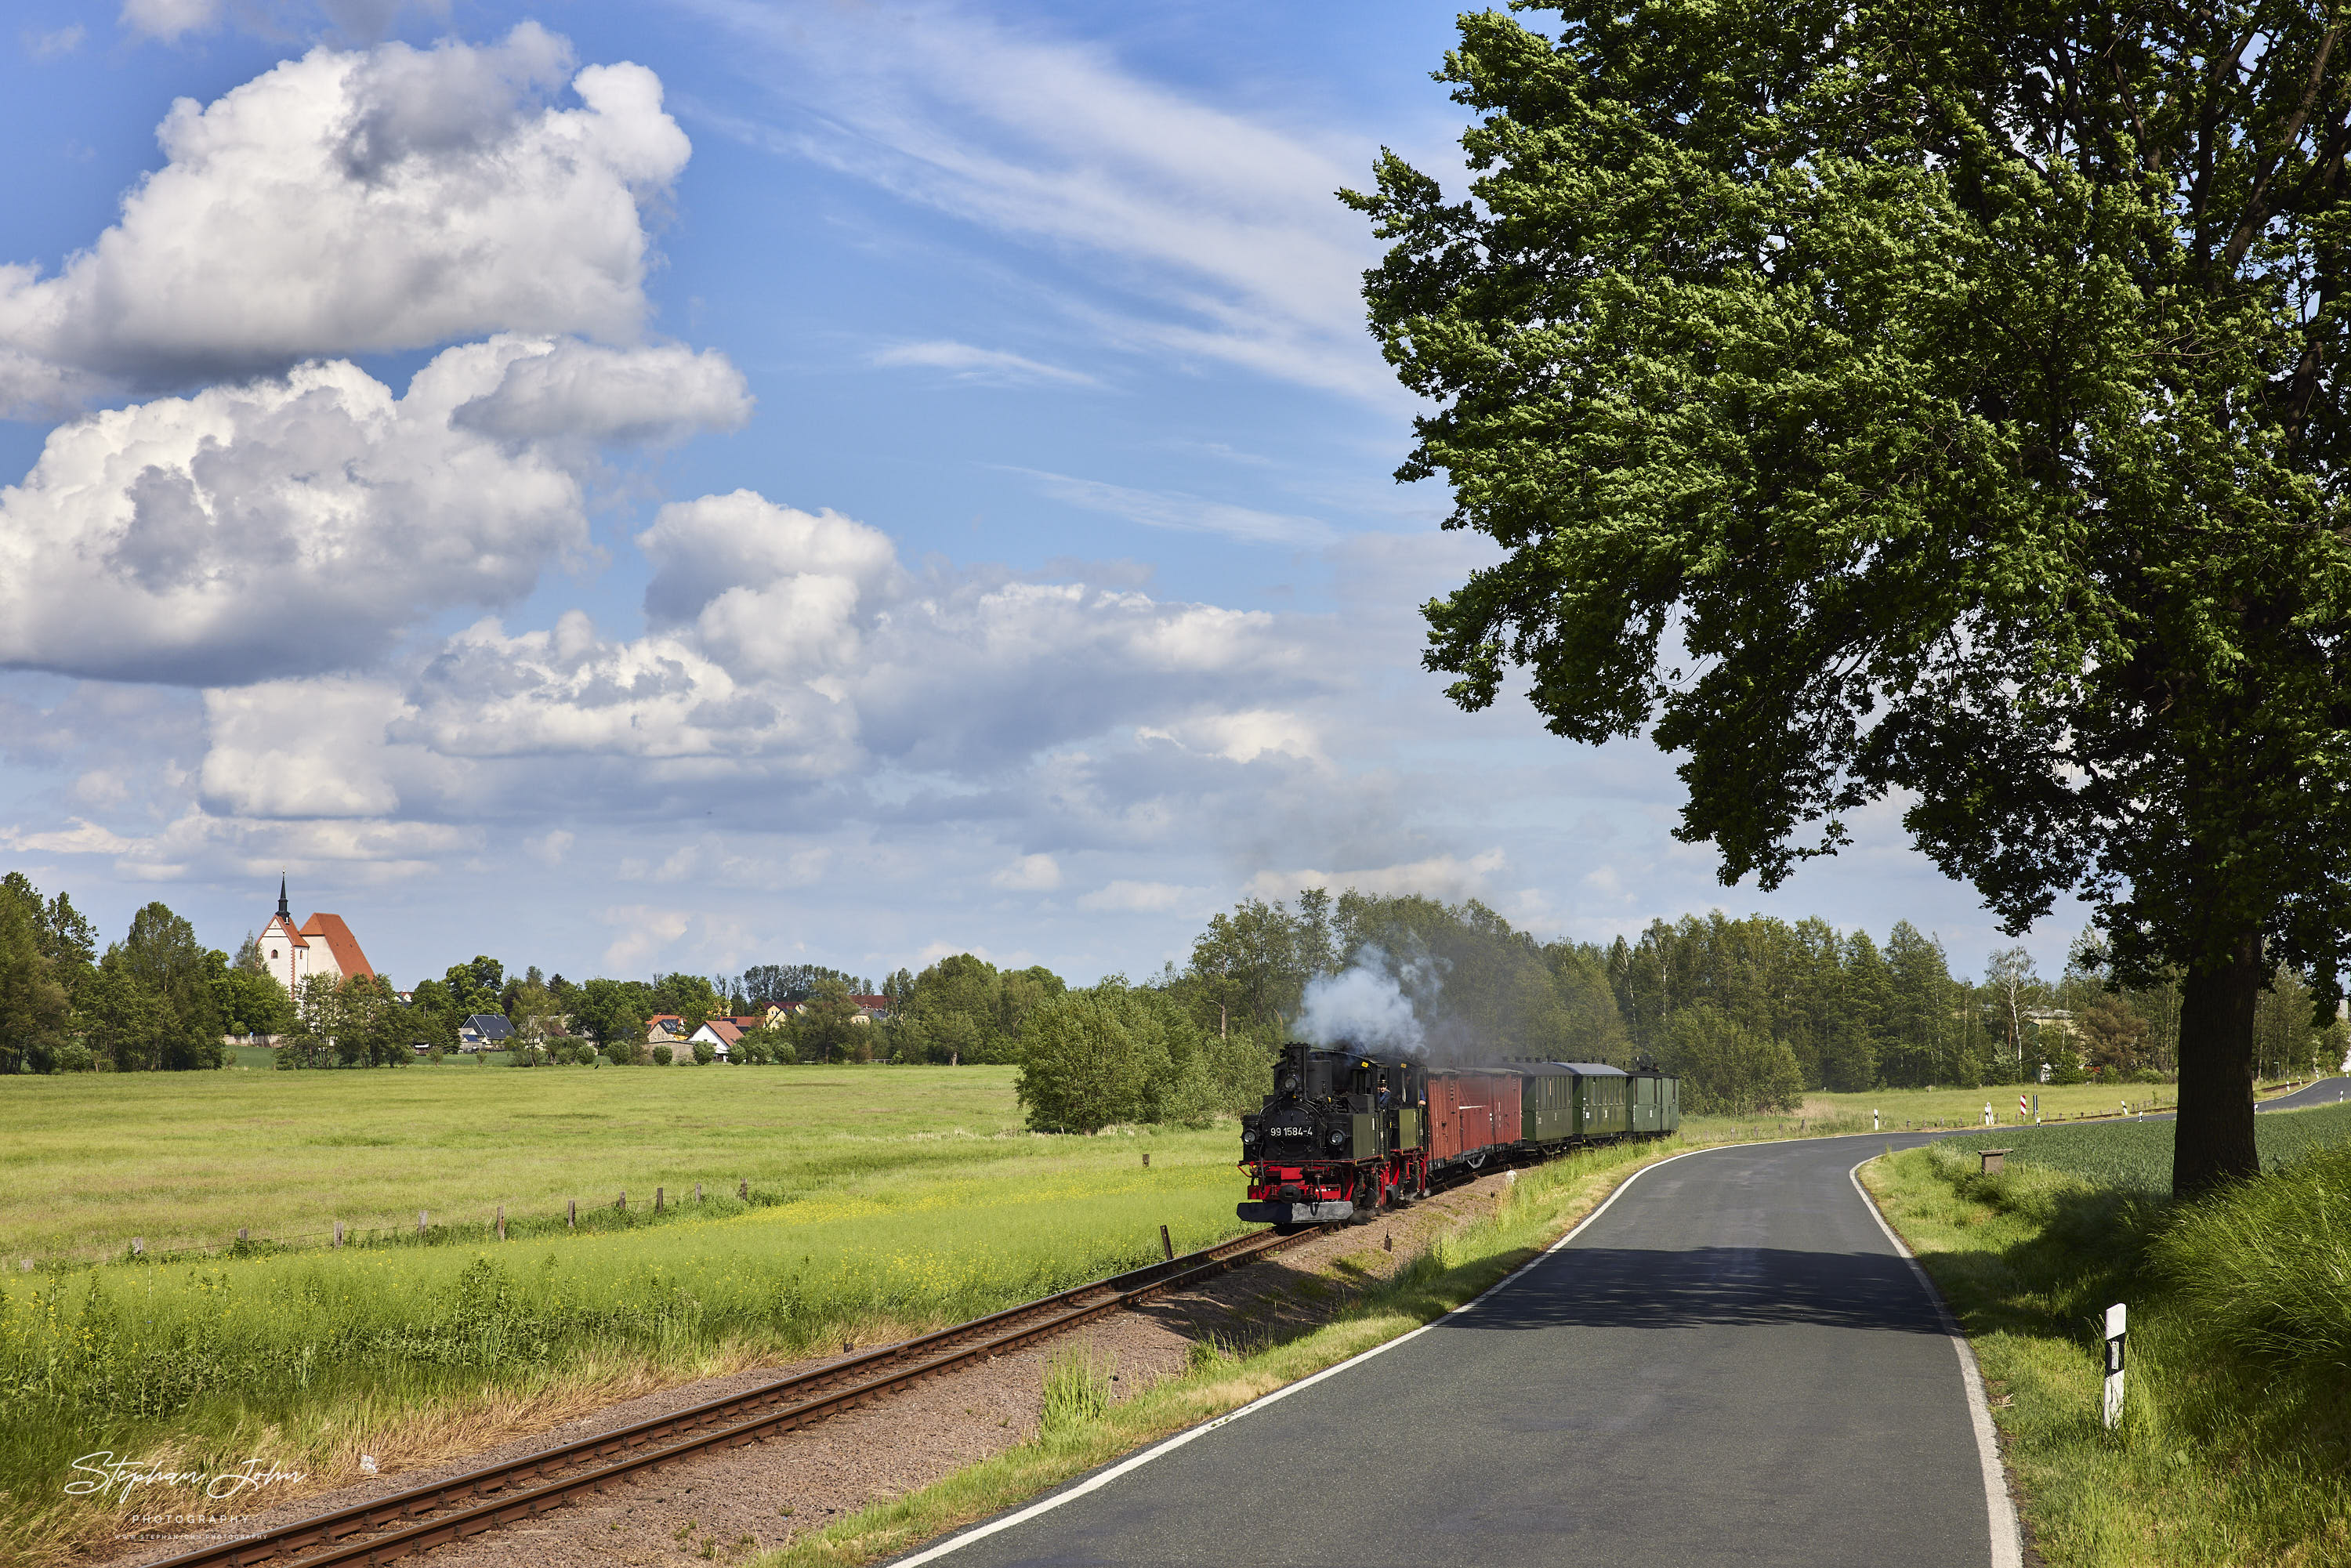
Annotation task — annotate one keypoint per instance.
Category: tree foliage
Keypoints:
(1729, 1069)
(963, 1008)
(1114, 1053)
(1925, 399)
(33, 1001)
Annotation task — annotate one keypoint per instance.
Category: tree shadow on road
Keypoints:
(1634, 1287)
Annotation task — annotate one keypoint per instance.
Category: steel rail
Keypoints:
(462, 1504)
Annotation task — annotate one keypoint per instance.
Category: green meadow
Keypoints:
(884, 1201)
(185, 1159)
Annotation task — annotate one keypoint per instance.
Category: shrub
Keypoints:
(75, 1057)
(664, 1056)
(1085, 1063)
(1729, 1069)
(705, 1053)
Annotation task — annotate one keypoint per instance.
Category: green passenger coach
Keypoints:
(1657, 1100)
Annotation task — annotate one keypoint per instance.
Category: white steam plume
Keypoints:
(1362, 1006)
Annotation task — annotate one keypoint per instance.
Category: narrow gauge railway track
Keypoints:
(464, 1505)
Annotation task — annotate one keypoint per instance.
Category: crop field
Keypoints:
(2137, 1155)
(185, 1159)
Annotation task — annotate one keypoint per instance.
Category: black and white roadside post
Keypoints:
(2114, 1407)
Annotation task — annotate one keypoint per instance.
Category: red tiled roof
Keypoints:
(293, 937)
(339, 941)
(727, 1030)
(872, 1004)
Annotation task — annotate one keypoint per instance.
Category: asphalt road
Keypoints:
(1732, 1365)
(2326, 1092)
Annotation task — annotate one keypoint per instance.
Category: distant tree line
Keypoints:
(153, 1001)
(1752, 1012)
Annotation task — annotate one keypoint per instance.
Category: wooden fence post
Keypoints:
(572, 1214)
(1147, 1159)
(1166, 1245)
(743, 1190)
(502, 1222)
(624, 1204)
(240, 1233)
(138, 1247)
(697, 1192)
(657, 1200)
(339, 1233)
(419, 1223)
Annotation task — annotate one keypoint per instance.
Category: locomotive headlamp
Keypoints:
(1338, 1137)
(1290, 1083)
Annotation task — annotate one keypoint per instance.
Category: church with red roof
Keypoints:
(322, 945)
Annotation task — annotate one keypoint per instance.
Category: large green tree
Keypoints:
(1934, 399)
(157, 1007)
(32, 999)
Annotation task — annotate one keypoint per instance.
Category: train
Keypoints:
(1348, 1134)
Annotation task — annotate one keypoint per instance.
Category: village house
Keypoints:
(722, 1035)
(484, 1031)
(869, 1009)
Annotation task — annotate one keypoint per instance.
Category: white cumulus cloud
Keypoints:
(295, 525)
(358, 200)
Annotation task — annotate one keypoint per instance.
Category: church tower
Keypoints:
(322, 944)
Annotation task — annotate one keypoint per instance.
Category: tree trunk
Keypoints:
(2213, 1142)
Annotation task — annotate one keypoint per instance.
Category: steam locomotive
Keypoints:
(1346, 1133)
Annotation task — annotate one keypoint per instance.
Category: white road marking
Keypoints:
(2007, 1544)
(2007, 1536)
(1095, 1483)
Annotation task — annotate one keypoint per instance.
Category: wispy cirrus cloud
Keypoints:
(1207, 233)
(966, 363)
(1183, 513)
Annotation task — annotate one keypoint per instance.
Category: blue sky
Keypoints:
(683, 485)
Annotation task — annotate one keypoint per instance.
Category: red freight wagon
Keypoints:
(1468, 1114)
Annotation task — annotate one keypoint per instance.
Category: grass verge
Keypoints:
(2237, 1428)
(1540, 1206)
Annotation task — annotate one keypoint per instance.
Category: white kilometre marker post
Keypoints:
(2113, 1406)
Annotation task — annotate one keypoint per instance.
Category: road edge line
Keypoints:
(2007, 1530)
(1169, 1445)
